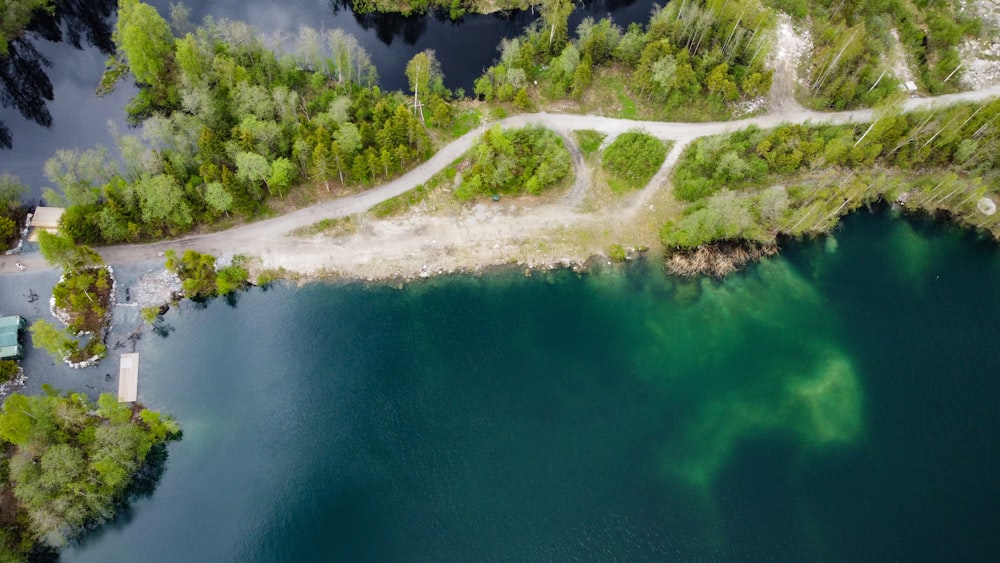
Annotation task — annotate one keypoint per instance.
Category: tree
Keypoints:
(556, 14)
(7, 228)
(11, 192)
(80, 174)
(196, 271)
(16, 15)
(322, 164)
(61, 251)
(218, 198)
(307, 48)
(57, 342)
(252, 168)
(161, 200)
(283, 174)
(144, 37)
(424, 74)
(69, 462)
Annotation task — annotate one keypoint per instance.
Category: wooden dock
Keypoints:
(128, 378)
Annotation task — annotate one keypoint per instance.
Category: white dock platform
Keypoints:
(128, 378)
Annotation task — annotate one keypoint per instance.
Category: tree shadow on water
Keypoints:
(143, 486)
(232, 298)
(24, 80)
(162, 328)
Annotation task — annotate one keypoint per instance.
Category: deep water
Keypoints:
(839, 402)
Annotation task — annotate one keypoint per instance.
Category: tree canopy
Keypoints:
(67, 462)
(526, 160)
(61, 251)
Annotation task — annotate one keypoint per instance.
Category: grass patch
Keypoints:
(334, 227)
(465, 122)
(588, 140)
(402, 203)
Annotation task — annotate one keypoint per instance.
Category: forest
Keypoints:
(229, 125)
(691, 61)
(854, 42)
(67, 463)
(797, 179)
(455, 9)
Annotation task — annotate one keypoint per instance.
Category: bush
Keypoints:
(7, 228)
(150, 314)
(231, 278)
(632, 159)
(617, 253)
(8, 370)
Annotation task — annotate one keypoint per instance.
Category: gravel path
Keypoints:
(270, 240)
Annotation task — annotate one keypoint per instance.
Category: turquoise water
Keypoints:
(838, 403)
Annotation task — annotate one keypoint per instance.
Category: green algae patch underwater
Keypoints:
(754, 355)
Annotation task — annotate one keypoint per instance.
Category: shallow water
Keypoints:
(835, 403)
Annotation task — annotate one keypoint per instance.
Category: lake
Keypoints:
(838, 402)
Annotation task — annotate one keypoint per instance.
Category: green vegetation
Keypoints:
(695, 57)
(268, 276)
(589, 140)
(454, 8)
(853, 44)
(230, 125)
(402, 202)
(8, 370)
(199, 276)
(422, 192)
(59, 343)
(514, 161)
(798, 179)
(15, 15)
(632, 159)
(11, 211)
(332, 227)
(232, 277)
(617, 252)
(67, 464)
(83, 297)
(151, 313)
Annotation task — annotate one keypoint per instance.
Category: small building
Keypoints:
(46, 219)
(10, 337)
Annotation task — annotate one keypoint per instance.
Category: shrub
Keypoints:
(8, 370)
(632, 159)
(617, 252)
(526, 160)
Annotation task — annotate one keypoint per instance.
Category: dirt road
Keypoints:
(484, 234)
